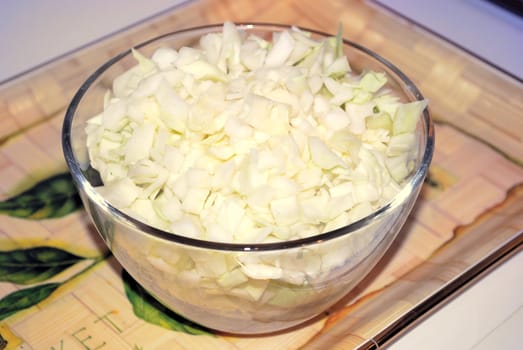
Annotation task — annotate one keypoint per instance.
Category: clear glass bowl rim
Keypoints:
(83, 184)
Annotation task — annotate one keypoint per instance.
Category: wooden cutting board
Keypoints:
(469, 213)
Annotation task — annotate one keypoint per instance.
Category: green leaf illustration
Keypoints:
(150, 310)
(33, 265)
(53, 197)
(24, 298)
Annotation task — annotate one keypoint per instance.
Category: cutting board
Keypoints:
(74, 295)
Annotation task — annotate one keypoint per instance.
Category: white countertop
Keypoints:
(484, 29)
(35, 32)
(488, 315)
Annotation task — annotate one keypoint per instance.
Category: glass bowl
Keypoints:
(209, 282)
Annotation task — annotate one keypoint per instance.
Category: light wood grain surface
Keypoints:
(472, 206)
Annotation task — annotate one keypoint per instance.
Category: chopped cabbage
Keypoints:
(247, 141)
(242, 115)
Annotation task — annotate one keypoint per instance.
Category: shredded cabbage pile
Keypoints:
(245, 139)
